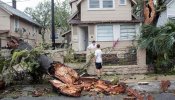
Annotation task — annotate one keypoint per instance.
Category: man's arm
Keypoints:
(95, 56)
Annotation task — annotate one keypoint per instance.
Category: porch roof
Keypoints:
(100, 22)
(71, 1)
(69, 31)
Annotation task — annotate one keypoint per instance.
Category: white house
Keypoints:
(168, 14)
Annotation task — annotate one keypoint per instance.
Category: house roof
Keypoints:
(98, 22)
(73, 15)
(9, 9)
(69, 31)
(71, 1)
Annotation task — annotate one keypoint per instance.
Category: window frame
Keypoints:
(16, 23)
(122, 4)
(104, 25)
(127, 33)
(101, 6)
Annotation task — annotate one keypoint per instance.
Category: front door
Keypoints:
(83, 38)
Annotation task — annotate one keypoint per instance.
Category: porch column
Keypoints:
(141, 61)
(141, 56)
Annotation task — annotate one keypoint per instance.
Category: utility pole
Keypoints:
(53, 25)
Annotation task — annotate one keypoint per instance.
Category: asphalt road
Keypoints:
(162, 96)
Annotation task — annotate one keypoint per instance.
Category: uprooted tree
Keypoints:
(149, 10)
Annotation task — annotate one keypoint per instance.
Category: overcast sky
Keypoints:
(22, 4)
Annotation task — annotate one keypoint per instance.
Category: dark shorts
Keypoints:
(98, 65)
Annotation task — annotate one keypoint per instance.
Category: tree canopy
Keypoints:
(42, 14)
(160, 45)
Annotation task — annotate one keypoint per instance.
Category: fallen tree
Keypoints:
(69, 83)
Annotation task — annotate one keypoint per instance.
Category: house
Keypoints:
(67, 37)
(16, 23)
(168, 14)
(107, 22)
(59, 40)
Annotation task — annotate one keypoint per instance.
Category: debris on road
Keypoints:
(69, 83)
(164, 85)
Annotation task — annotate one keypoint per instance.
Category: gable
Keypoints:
(120, 11)
(4, 20)
(16, 12)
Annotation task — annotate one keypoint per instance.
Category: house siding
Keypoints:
(48, 38)
(121, 12)
(75, 37)
(30, 35)
(4, 20)
(171, 9)
(163, 19)
(166, 15)
(91, 32)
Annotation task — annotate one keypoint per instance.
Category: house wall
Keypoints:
(121, 47)
(75, 44)
(163, 19)
(171, 9)
(68, 38)
(3, 40)
(121, 12)
(165, 15)
(92, 36)
(48, 38)
(4, 20)
(39, 39)
(30, 35)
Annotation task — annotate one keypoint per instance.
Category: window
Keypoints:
(122, 2)
(104, 33)
(56, 36)
(107, 3)
(94, 4)
(16, 24)
(127, 32)
(100, 4)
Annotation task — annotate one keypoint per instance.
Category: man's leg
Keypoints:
(98, 73)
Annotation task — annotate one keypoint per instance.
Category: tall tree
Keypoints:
(62, 13)
(149, 10)
(42, 14)
(160, 45)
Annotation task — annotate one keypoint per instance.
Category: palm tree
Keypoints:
(159, 43)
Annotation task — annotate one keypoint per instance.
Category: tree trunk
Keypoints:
(149, 12)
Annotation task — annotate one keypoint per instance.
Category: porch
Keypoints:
(118, 61)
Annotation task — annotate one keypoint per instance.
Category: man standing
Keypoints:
(98, 60)
(93, 45)
(90, 57)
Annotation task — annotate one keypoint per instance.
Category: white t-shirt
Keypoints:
(92, 46)
(98, 56)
